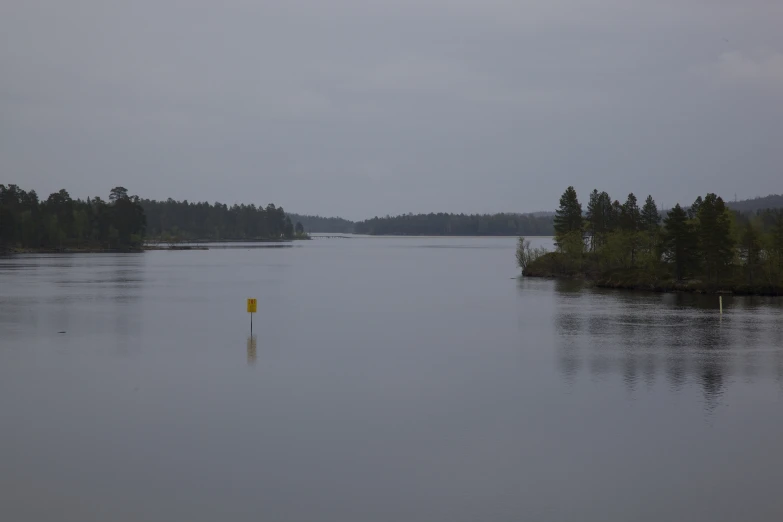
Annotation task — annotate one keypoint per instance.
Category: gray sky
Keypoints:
(361, 108)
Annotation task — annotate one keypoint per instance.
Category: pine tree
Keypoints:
(599, 218)
(714, 234)
(593, 219)
(630, 219)
(568, 218)
(679, 241)
(694, 210)
(630, 222)
(615, 216)
(650, 223)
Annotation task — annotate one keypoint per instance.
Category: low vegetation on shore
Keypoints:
(703, 248)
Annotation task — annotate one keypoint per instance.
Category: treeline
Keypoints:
(708, 244)
(325, 225)
(172, 220)
(60, 222)
(757, 204)
(442, 224)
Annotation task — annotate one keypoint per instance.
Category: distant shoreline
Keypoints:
(158, 242)
(71, 250)
(451, 235)
(148, 246)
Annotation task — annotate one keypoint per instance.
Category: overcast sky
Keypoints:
(360, 108)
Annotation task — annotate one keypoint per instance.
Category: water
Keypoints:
(392, 379)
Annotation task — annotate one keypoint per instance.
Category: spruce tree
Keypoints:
(568, 218)
(714, 234)
(630, 221)
(679, 241)
(599, 217)
(593, 219)
(694, 210)
(650, 220)
(630, 215)
(615, 216)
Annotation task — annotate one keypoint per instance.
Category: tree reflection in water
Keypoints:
(639, 335)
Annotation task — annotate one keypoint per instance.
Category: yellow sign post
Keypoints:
(252, 307)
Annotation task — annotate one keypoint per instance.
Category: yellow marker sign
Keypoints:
(252, 305)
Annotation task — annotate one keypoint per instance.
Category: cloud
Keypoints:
(378, 107)
(760, 69)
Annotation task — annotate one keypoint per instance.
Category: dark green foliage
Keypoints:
(181, 220)
(60, 222)
(679, 242)
(707, 247)
(599, 218)
(776, 243)
(750, 250)
(630, 225)
(615, 215)
(714, 233)
(458, 225)
(630, 215)
(568, 218)
(299, 228)
(327, 225)
(650, 222)
(693, 211)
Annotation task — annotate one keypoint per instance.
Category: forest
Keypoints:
(124, 222)
(442, 224)
(326, 225)
(754, 205)
(60, 222)
(705, 246)
(172, 220)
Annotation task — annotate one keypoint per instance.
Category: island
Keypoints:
(705, 247)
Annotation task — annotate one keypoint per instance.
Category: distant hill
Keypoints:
(443, 224)
(755, 204)
(318, 224)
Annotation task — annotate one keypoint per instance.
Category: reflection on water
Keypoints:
(46, 291)
(683, 337)
(251, 350)
(399, 383)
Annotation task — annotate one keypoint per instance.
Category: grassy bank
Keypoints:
(557, 265)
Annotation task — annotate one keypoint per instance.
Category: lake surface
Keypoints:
(391, 379)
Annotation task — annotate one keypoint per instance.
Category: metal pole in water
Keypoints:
(720, 303)
(252, 307)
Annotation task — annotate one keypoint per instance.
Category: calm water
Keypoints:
(392, 379)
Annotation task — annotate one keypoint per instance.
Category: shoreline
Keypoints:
(147, 246)
(12, 251)
(553, 265)
(668, 286)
